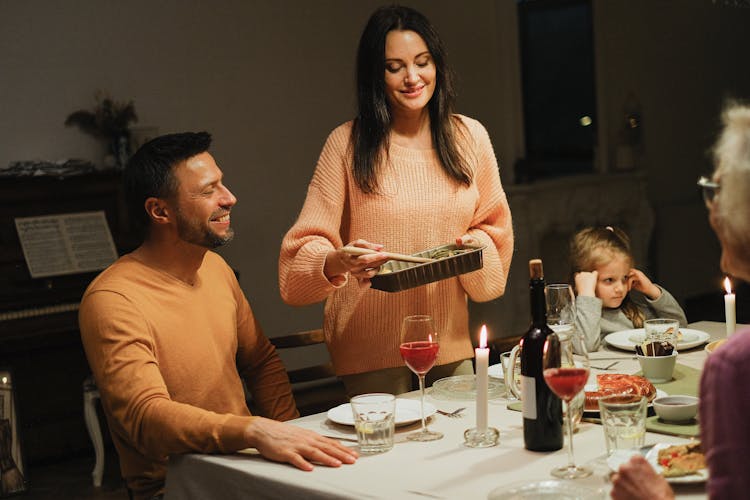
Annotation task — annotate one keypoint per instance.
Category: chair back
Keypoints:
(305, 339)
(316, 388)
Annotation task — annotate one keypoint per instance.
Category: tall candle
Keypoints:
(482, 355)
(730, 313)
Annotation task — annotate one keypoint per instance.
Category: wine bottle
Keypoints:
(542, 410)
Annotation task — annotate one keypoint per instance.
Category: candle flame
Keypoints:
(483, 337)
(727, 285)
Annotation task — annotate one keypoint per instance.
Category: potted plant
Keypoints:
(110, 120)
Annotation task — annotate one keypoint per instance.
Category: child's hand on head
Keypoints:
(586, 283)
(639, 281)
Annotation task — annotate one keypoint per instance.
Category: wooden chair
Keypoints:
(315, 388)
(90, 397)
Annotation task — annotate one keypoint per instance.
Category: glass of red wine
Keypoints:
(419, 348)
(566, 377)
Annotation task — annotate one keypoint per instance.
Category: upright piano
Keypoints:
(39, 338)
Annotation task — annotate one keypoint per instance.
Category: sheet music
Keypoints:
(71, 243)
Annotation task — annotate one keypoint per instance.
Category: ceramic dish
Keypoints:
(676, 408)
(628, 339)
(595, 413)
(712, 346)
(407, 412)
(464, 387)
(395, 276)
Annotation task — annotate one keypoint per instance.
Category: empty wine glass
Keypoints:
(419, 349)
(566, 377)
(561, 306)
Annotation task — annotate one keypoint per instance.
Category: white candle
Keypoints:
(730, 313)
(482, 355)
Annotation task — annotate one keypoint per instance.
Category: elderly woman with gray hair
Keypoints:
(724, 394)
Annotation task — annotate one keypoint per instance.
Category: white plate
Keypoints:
(653, 458)
(407, 412)
(496, 371)
(628, 339)
(594, 387)
(464, 387)
(551, 489)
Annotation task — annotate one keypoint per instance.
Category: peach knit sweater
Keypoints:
(168, 358)
(418, 207)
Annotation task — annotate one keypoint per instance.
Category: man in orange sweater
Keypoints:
(170, 336)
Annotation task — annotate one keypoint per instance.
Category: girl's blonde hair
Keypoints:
(593, 247)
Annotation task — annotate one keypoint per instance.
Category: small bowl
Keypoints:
(676, 408)
(712, 346)
(658, 369)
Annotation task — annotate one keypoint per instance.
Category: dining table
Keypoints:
(442, 469)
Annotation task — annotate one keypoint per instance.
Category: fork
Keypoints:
(452, 414)
(605, 367)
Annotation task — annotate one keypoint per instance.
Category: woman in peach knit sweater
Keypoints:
(406, 175)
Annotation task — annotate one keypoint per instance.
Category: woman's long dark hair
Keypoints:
(370, 137)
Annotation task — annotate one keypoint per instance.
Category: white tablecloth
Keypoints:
(438, 469)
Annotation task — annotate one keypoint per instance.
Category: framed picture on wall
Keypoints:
(12, 479)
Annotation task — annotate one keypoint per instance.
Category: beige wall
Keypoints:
(271, 78)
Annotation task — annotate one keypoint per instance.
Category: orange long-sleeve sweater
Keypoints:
(168, 357)
(418, 207)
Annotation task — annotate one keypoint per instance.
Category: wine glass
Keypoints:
(419, 348)
(561, 306)
(566, 377)
(561, 318)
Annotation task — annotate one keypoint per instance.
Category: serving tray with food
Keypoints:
(443, 262)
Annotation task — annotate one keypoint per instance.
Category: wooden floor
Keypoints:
(71, 479)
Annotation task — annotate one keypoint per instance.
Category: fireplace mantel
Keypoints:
(545, 215)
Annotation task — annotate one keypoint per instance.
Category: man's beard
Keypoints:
(200, 234)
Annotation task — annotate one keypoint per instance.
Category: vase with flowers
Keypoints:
(110, 121)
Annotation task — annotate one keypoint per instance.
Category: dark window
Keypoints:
(559, 99)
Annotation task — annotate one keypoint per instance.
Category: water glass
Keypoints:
(624, 421)
(661, 330)
(374, 421)
(512, 372)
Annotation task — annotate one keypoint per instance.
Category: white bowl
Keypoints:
(676, 408)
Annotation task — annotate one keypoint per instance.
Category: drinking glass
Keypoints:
(419, 349)
(561, 313)
(561, 306)
(566, 377)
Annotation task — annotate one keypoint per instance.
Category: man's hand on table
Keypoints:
(636, 480)
(300, 447)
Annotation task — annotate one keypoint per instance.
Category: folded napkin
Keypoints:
(685, 381)
(687, 429)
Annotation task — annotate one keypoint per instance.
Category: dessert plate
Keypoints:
(628, 339)
(407, 412)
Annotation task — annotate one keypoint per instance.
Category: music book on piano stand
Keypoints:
(55, 245)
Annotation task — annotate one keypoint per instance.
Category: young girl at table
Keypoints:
(613, 295)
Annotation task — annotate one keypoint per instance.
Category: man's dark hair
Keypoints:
(149, 172)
